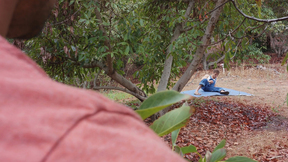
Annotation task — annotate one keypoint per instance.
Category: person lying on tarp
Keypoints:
(208, 84)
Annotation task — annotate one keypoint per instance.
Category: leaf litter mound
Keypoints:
(226, 119)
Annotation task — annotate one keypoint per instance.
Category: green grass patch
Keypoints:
(117, 95)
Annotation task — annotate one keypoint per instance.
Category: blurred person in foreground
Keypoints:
(42, 120)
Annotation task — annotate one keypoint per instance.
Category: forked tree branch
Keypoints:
(251, 30)
(257, 19)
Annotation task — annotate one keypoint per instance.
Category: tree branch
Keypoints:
(220, 59)
(256, 19)
(230, 33)
(251, 30)
(216, 8)
(188, 11)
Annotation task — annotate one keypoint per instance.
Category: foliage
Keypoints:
(218, 153)
(252, 52)
(159, 101)
(284, 60)
(67, 43)
(172, 122)
(85, 37)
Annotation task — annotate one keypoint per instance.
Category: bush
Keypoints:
(251, 53)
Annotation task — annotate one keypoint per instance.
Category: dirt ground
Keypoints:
(269, 86)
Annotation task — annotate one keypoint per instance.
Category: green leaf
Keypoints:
(71, 2)
(178, 151)
(73, 48)
(188, 149)
(174, 136)
(240, 159)
(287, 99)
(171, 121)
(126, 50)
(285, 59)
(220, 145)
(159, 101)
(141, 22)
(218, 155)
(82, 20)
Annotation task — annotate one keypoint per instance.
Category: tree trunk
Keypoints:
(268, 42)
(205, 66)
(169, 58)
(206, 40)
(168, 62)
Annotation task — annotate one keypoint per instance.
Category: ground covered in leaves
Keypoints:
(219, 119)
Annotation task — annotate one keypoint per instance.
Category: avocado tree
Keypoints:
(89, 39)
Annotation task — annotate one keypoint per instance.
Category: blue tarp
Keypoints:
(205, 94)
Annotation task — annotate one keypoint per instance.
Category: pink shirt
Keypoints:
(42, 120)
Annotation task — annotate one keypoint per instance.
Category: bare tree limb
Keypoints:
(251, 30)
(257, 19)
(236, 49)
(215, 62)
(123, 90)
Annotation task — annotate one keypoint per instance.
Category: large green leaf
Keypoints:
(218, 155)
(188, 149)
(220, 145)
(171, 121)
(159, 101)
(240, 159)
